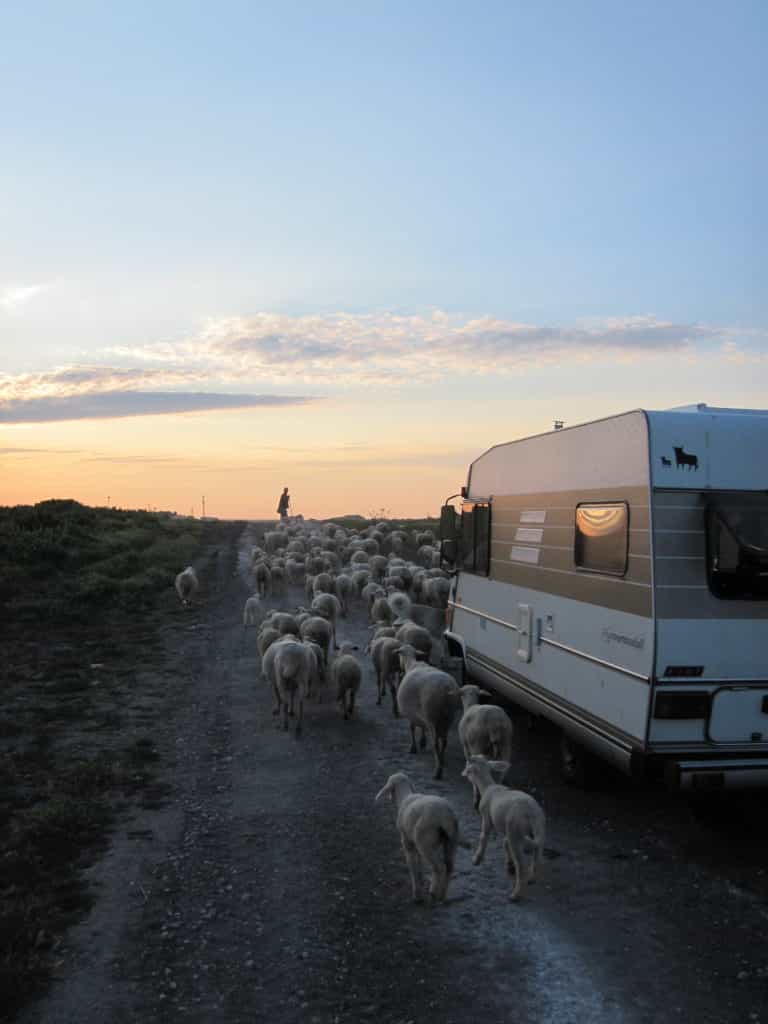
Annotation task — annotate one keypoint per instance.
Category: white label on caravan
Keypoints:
(530, 555)
(533, 516)
(529, 536)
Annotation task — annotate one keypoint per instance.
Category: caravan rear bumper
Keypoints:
(717, 774)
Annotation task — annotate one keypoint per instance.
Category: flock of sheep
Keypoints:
(301, 658)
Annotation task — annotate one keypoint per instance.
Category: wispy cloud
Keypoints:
(385, 349)
(338, 352)
(118, 404)
(14, 298)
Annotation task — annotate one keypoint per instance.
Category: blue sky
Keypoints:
(171, 172)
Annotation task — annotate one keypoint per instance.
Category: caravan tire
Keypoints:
(576, 763)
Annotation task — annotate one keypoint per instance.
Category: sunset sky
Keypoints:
(347, 247)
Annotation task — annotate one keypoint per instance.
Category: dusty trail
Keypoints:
(269, 886)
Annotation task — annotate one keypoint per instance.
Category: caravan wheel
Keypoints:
(576, 763)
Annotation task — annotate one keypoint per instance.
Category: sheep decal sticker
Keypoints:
(683, 459)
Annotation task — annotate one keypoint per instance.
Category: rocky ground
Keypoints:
(262, 883)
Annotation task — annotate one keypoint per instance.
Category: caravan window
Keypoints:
(476, 537)
(737, 546)
(602, 537)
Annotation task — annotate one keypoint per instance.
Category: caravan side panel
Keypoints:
(591, 653)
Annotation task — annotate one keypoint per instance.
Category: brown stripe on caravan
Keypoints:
(561, 560)
(556, 572)
(593, 588)
(674, 602)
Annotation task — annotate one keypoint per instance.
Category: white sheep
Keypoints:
(292, 671)
(378, 567)
(329, 607)
(512, 814)
(253, 611)
(381, 610)
(318, 630)
(284, 622)
(266, 637)
(322, 584)
(484, 728)
(409, 632)
(436, 591)
(187, 585)
(344, 588)
(262, 578)
(429, 698)
(346, 676)
(400, 604)
(429, 832)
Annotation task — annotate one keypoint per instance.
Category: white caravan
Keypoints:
(613, 577)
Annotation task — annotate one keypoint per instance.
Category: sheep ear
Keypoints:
(383, 792)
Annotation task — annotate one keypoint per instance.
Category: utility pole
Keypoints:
(559, 424)
(203, 516)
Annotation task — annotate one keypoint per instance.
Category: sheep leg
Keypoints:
(379, 686)
(414, 866)
(431, 850)
(351, 703)
(300, 718)
(423, 740)
(485, 831)
(515, 868)
(393, 691)
(413, 739)
(438, 749)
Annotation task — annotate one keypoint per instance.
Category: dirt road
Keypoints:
(269, 887)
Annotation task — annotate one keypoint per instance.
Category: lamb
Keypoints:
(484, 729)
(512, 814)
(429, 832)
(253, 611)
(329, 607)
(187, 585)
(430, 699)
(386, 661)
(346, 676)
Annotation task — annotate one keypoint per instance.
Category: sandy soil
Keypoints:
(267, 886)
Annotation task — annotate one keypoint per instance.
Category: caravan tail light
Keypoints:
(681, 705)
